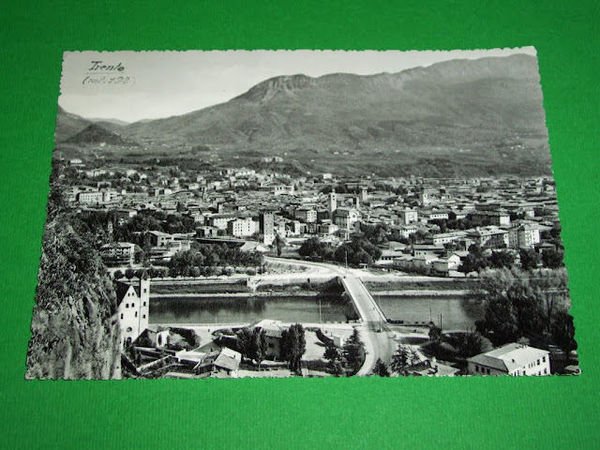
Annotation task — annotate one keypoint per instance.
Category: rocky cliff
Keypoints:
(74, 330)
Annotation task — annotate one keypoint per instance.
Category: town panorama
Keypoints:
(169, 258)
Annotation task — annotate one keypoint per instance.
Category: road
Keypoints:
(378, 338)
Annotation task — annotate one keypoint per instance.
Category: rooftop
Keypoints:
(509, 357)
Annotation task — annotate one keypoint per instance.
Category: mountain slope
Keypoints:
(96, 134)
(454, 118)
(68, 124)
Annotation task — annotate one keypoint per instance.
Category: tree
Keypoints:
(475, 261)
(500, 318)
(279, 243)
(259, 346)
(519, 303)
(502, 259)
(435, 333)
(332, 353)
(314, 248)
(376, 234)
(530, 259)
(381, 369)
(293, 346)
(470, 344)
(354, 352)
(337, 368)
(563, 332)
(118, 275)
(335, 361)
(403, 359)
(245, 342)
(129, 273)
(552, 258)
(359, 251)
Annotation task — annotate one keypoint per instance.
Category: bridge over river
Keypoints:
(373, 328)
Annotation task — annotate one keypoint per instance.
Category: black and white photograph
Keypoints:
(305, 213)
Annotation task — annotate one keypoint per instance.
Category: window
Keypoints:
(538, 362)
(121, 315)
(145, 290)
(144, 303)
(126, 305)
(143, 316)
(543, 359)
(545, 371)
(136, 314)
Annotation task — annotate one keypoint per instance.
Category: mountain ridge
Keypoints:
(479, 116)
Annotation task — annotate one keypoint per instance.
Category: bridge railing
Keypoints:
(373, 303)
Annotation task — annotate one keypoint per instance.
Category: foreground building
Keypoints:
(511, 359)
(223, 363)
(134, 304)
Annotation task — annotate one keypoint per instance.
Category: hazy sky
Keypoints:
(163, 84)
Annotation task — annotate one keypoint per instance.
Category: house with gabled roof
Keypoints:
(218, 363)
(273, 334)
(511, 359)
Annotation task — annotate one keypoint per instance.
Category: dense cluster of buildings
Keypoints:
(424, 218)
(429, 226)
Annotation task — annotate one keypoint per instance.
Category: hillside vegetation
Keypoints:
(455, 118)
(74, 333)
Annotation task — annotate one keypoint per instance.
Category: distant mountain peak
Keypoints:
(286, 84)
(95, 134)
(453, 118)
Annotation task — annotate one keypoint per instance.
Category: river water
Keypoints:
(303, 309)
(454, 312)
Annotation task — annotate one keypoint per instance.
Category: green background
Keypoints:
(343, 413)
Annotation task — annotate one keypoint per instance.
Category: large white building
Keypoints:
(511, 359)
(346, 218)
(134, 305)
(406, 230)
(408, 216)
(93, 197)
(523, 236)
(118, 253)
(490, 236)
(242, 227)
(445, 238)
(220, 221)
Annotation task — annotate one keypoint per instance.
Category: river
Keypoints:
(454, 312)
(302, 309)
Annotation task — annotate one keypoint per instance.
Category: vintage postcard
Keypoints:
(278, 214)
